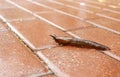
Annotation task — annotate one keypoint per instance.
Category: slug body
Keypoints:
(79, 42)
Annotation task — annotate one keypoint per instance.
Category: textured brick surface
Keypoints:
(78, 62)
(101, 36)
(4, 4)
(49, 76)
(110, 14)
(3, 26)
(76, 12)
(30, 6)
(65, 21)
(37, 32)
(81, 5)
(14, 13)
(107, 23)
(16, 60)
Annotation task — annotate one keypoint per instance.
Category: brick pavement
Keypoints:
(27, 50)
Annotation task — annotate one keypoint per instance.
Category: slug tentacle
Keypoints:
(78, 42)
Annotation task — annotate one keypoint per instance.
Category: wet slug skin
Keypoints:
(79, 42)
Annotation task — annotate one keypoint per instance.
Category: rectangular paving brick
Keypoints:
(68, 61)
(101, 36)
(38, 32)
(14, 13)
(65, 21)
(80, 5)
(75, 12)
(94, 4)
(106, 22)
(30, 6)
(79, 13)
(110, 14)
(49, 76)
(45, 2)
(105, 4)
(3, 26)
(16, 60)
(4, 4)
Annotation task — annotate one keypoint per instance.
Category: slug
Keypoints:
(78, 42)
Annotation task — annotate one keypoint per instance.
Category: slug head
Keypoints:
(61, 40)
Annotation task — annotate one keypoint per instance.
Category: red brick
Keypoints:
(68, 61)
(106, 22)
(50, 4)
(77, 4)
(14, 13)
(30, 6)
(78, 13)
(3, 26)
(49, 76)
(38, 32)
(65, 21)
(101, 36)
(110, 14)
(94, 4)
(4, 4)
(16, 60)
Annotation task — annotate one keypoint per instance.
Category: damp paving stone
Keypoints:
(65, 21)
(38, 32)
(68, 61)
(15, 13)
(111, 14)
(30, 6)
(16, 60)
(76, 12)
(3, 27)
(80, 5)
(49, 76)
(106, 22)
(101, 36)
(4, 4)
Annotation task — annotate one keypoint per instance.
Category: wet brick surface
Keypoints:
(17, 60)
(78, 62)
(38, 32)
(14, 13)
(107, 23)
(64, 21)
(49, 76)
(104, 37)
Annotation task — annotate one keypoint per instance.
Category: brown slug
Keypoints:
(79, 42)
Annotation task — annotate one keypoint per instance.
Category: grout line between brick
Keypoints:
(114, 19)
(27, 44)
(104, 5)
(87, 21)
(102, 27)
(55, 69)
(41, 18)
(21, 19)
(40, 75)
(47, 62)
(55, 25)
(111, 10)
(102, 14)
(17, 32)
(112, 55)
(88, 11)
(6, 8)
(91, 1)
